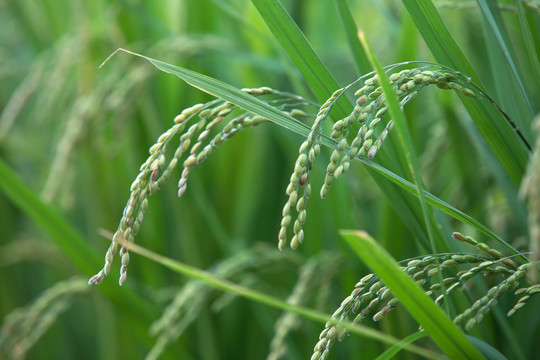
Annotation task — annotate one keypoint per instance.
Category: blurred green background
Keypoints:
(77, 134)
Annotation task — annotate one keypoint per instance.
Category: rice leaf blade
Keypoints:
(405, 140)
(502, 140)
(440, 328)
(496, 25)
(487, 350)
(360, 58)
(229, 93)
(395, 349)
(440, 204)
(529, 41)
(296, 45)
(507, 91)
(49, 220)
(239, 290)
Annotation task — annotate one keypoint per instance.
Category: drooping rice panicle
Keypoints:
(367, 122)
(371, 297)
(193, 128)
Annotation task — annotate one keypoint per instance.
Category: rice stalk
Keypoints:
(20, 97)
(47, 82)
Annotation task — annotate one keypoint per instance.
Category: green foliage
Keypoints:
(73, 137)
(445, 334)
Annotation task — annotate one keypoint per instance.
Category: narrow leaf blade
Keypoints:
(239, 290)
(439, 327)
(502, 140)
(295, 44)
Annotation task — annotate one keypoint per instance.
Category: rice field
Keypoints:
(269, 179)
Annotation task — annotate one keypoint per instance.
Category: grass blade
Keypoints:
(404, 137)
(233, 288)
(67, 238)
(487, 350)
(441, 205)
(394, 350)
(72, 244)
(529, 41)
(440, 328)
(294, 42)
(227, 92)
(497, 132)
(507, 90)
(360, 58)
(495, 23)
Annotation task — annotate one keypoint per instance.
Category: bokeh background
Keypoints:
(76, 135)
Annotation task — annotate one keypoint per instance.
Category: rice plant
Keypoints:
(171, 147)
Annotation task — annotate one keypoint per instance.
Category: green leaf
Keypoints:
(529, 42)
(394, 350)
(487, 350)
(508, 90)
(441, 205)
(232, 94)
(52, 223)
(495, 21)
(404, 137)
(295, 44)
(440, 328)
(239, 290)
(360, 58)
(497, 132)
